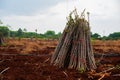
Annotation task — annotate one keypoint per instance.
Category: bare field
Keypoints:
(30, 60)
(110, 46)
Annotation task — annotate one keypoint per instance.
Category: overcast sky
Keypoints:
(51, 14)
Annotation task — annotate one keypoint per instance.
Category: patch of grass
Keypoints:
(98, 63)
(81, 70)
(4, 45)
(117, 66)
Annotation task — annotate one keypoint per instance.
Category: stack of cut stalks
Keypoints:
(74, 48)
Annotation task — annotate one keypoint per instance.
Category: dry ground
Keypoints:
(30, 60)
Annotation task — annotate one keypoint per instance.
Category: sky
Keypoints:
(46, 15)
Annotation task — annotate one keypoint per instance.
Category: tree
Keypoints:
(9, 34)
(96, 36)
(36, 33)
(58, 35)
(104, 38)
(115, 35)
(50, 34)
(36, 30)
(19, 32)
(4, 31)
(25, 30)
(13, 33)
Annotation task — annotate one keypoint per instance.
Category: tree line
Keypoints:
(112, 36)
(22, 33)
(50, 34)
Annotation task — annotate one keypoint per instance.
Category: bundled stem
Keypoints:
(74, 48)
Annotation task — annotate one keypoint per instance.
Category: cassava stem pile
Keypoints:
(74, 48)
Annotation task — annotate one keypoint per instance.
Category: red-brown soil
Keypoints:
(110, 46)
(30, 60)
